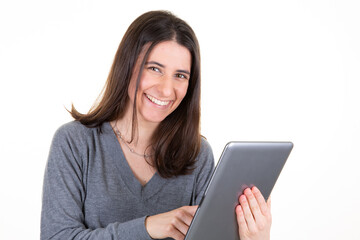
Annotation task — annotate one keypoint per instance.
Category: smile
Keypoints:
(157, 101)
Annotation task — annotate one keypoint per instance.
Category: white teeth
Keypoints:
(157, 101)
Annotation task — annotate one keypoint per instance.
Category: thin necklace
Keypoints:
(118, 133)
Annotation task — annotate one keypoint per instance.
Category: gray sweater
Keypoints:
(90, 192)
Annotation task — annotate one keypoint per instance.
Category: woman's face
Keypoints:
(163, 83)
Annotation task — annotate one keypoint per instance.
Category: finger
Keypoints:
(261, 200)
(176, 234)
(241, 220)
(269, 204)
(191, 209)
(247, 213)
(254, 205)
(186, 214)
(181, 228)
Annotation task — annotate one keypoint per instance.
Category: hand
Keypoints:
(253, 215)
(174, 224)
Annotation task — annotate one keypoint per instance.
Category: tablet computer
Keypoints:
(241, 165)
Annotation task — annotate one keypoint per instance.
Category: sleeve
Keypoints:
(62, 214)
(206, 168)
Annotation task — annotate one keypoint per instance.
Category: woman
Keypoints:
(135, 166)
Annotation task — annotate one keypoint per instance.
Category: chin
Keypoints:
(151, 118)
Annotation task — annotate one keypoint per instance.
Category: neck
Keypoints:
(143, 132)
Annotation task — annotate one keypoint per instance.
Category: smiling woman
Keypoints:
(163, 83)
(153, 62)
(135, 166)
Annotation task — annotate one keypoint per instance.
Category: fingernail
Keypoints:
(242, 198)
(248, 191)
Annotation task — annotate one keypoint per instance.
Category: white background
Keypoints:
(271, 70)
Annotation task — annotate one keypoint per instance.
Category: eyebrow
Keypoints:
(163, 66)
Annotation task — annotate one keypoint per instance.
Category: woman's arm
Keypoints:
(176, 223)
(253, 215)
(64, 194)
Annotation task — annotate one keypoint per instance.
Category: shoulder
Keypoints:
(74, 130)
(205, 157)
(75, 136)
(205, 147)
(72, 142)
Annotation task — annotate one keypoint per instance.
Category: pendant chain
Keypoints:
(118, 133)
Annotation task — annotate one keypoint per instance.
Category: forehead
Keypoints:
(171, 54)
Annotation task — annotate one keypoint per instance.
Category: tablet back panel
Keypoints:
(241, 165)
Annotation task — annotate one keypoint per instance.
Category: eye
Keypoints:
(181, 76)
(155, 69)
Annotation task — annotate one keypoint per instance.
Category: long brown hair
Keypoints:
(176, 141)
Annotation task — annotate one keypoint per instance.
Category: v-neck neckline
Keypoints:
(132, 183)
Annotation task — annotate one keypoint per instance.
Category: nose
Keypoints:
(165, 87)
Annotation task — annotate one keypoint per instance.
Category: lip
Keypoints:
(157, 102)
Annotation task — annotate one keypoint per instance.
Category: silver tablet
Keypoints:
(241, 165)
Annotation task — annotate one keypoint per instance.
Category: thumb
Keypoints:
(269, 202)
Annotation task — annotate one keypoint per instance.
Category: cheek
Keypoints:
(144, 82)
